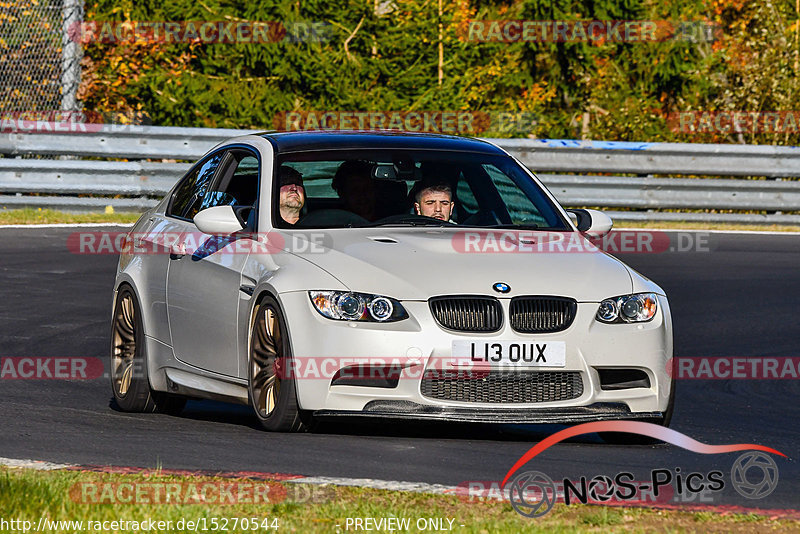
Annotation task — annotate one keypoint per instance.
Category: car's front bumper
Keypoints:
(421, 412)
(419, 342)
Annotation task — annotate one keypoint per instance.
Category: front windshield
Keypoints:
(364, 188)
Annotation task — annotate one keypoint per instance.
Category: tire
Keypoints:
(667, 419)
(623, 438)
(273, 395)
(130, 383)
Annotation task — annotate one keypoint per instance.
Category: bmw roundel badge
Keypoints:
(501, 287)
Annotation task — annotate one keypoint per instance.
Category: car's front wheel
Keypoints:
(130, 382)
(270, 382)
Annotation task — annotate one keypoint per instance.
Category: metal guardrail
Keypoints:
(135, 185)
(160, 142)
(655, 158)
(119, 141)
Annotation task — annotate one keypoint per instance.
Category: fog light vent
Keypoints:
(614, 379)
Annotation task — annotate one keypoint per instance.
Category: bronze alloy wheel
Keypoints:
(124, 345)
(130, 382)
(267, 352)
(272, 391)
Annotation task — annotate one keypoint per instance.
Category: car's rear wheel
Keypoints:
(130, 382)
(271, 385)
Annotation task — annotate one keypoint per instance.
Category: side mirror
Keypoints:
(593, 223)
(218, 220)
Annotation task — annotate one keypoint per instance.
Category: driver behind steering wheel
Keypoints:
(436, 201)
(292, 194)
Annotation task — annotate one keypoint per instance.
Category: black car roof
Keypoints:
(285, 142)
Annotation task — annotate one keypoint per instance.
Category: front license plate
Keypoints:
(509, 353)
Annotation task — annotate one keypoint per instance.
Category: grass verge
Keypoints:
(91, 497)
(45, 216)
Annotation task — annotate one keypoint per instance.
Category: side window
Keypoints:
(234, 184)
(242, 183)
(203, 184)
(183, 196)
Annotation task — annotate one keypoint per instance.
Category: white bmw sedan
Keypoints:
(389, 275)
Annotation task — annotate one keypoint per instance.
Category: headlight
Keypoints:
(638, 308)
(350, 306)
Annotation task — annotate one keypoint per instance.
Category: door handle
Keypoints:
(176, 252)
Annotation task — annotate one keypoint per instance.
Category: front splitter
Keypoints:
(414, 411)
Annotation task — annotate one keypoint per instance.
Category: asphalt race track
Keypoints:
(736, 297)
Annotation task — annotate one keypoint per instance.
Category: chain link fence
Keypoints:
(39, 62)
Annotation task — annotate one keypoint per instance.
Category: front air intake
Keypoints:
(504, 387)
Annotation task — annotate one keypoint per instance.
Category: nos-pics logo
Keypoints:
(754, 474)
